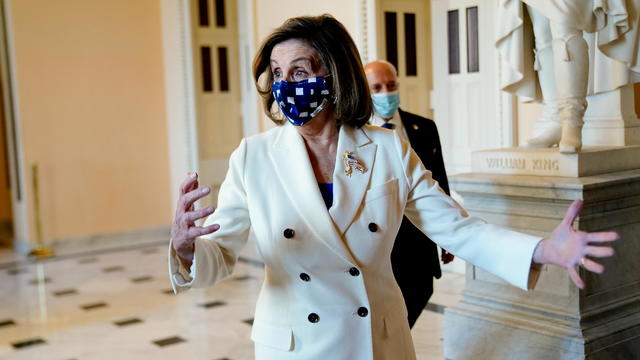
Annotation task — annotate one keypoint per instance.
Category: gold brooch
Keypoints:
(350, 162)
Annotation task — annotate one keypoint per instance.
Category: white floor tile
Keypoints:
(70, 332)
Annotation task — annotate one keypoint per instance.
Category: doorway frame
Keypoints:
(179, 71)
(18, 181)
(179, 91)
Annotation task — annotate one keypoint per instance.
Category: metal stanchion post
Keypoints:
(40, 251)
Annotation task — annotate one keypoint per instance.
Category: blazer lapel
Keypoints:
(291, 161)
(349, 190)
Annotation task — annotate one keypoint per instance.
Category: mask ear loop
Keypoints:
(334, 98)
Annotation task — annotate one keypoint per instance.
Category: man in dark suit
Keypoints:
(414, 257)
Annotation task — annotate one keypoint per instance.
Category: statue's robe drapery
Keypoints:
(611, 29)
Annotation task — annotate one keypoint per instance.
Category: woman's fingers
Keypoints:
(187, 184)
(577, 242)
(196, 231)
(592, 266)
(573, 274)
(191, 197)
(602, 236)
(199, 214)
(599, 251)
(573, 212)
(194, 186)
(190, 183)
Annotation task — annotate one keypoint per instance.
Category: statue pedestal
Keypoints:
(556, 320)
(550, 162)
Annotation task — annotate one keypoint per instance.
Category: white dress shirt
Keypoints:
(378, 120)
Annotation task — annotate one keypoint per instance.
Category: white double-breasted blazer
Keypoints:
(329, 291)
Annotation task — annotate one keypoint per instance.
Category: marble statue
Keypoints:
(550, 41)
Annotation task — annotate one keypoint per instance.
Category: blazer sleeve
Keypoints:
(500, 251)
(216, 254)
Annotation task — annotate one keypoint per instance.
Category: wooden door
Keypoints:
(405, 41)
(467, 100)
(217, 87)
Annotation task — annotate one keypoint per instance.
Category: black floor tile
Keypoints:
(7, 322)
(65, 292)
(16, 271)
(94, 306)
(142, 279)
(213, 304)
(127, 322)
(113, 269)
(39, 281)
(437, 308)
(27, 343)
(169, 341)
(88, 260)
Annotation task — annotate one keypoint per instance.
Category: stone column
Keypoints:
(556, 320)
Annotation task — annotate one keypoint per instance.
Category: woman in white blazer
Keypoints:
(329, 291)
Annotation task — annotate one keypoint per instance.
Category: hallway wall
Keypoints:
(90, 89)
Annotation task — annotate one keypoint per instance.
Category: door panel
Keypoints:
(217, 88)
(466, 94)
(405, 42)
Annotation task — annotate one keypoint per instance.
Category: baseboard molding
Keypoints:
(21, 247)
(101, 242)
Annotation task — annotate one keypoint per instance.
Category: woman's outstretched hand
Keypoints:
(184, 230)
(568, 248)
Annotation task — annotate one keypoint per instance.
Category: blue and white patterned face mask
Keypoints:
(300, 101)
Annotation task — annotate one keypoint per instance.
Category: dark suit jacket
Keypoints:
(414, 255)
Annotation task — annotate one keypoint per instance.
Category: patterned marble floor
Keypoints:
(118, 305)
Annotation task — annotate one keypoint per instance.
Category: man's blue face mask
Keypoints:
(386, 104)
(300, 101)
